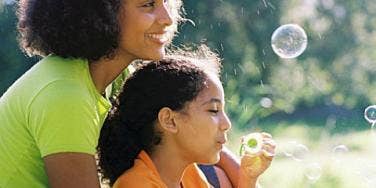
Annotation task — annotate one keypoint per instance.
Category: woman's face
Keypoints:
(146, 27)
(203, 125)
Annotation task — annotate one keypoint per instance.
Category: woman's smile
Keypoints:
(161, 38)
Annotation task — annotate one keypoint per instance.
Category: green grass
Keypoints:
(353, 169)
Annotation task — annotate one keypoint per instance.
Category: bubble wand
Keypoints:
(251, 144)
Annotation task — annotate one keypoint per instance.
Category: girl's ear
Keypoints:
(166, 120)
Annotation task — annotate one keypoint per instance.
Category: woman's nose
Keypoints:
(164, 15)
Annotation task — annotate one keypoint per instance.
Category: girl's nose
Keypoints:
(226, 123)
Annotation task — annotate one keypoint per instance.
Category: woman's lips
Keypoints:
(160, 38)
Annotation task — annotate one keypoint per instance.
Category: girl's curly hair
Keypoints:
(86, 29)
(171, 82)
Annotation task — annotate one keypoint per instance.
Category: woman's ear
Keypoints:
(166, 120)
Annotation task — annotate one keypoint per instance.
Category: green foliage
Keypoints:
(117, 84)
(337, 69)
(318, 98)
(13, 62)
(355, 168)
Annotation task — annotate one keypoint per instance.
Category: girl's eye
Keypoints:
(215, 112)
(149, 4)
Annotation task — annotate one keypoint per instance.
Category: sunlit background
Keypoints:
(312, 104)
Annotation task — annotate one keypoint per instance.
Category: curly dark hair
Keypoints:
(87, 29)
(171, 82)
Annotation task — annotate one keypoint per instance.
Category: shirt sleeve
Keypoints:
(63, 118)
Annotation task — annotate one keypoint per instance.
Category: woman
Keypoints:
(156, 134)
(51, 116)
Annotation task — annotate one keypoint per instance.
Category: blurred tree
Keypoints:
(13, 62)
(240, 31)
(337, 70)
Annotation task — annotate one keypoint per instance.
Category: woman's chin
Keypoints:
(155, 56)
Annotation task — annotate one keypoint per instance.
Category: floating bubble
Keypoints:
(266, 102)
(340, 150)
(312, 171)
(368, 174)
(370, 114)
(288, 148)
(300, 152)
(296, 151)
(289, 41)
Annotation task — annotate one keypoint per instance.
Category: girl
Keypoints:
(170, 116)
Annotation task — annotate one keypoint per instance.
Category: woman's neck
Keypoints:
(169, 165)
(105, 70)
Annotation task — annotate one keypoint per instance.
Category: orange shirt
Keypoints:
(144, 174)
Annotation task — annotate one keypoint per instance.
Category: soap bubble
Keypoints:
(312, 171)
(288, 148)
(368, 173)
(296, 151)
(289, 41)
(370, 114)
(339, 152)
(300, 152)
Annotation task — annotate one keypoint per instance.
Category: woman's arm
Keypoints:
(71, 170)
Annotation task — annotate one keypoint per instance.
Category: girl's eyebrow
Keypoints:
(212, 100)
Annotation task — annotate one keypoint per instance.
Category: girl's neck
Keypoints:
(170, 169)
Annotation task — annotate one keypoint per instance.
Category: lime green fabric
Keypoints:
(52, 108)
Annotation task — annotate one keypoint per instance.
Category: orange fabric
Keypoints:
(144, 174)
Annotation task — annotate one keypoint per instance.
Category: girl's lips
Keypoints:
(222, 141)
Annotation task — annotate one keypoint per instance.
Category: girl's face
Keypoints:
(203, 125)
(146, 27)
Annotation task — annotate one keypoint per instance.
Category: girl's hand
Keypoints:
(252, 165)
